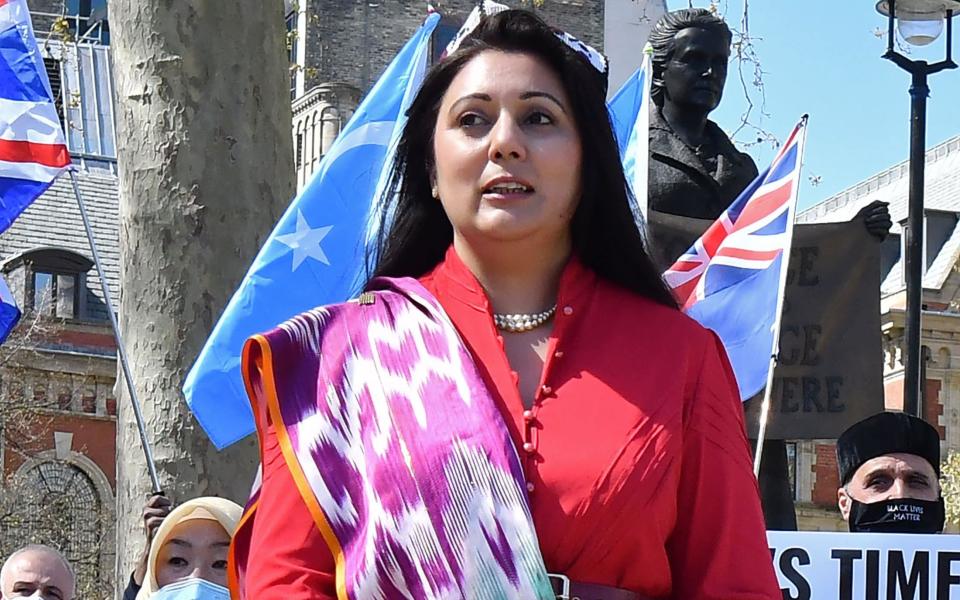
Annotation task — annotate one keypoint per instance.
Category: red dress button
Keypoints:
(530, 486)
(528, 447)
(528, 415)
(568, 310)
(547, 389)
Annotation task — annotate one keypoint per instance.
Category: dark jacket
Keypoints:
(132, 590)
(681, 184)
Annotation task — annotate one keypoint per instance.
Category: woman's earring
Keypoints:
(435, 192)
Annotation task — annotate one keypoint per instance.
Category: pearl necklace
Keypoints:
(523, 322)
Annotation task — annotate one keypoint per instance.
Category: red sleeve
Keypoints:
(288, 558)
(718, 550)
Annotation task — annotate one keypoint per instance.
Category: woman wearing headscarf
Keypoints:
(188, 554)
(515, 408)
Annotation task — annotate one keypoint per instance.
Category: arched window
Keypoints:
(313, 145)
(59, 504)
(54, 281)
(298, 147)
(330, 126)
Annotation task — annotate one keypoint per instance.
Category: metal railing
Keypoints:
(82, 30)
(86, 103)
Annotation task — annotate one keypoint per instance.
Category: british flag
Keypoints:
(32, 147)
(730, 280)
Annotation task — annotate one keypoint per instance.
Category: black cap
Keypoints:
(886, 433)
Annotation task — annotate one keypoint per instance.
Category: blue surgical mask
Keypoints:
(192, 589)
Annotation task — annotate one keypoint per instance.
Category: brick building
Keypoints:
(58, 369)
(815, 460)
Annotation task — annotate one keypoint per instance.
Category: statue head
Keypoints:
(691, 48)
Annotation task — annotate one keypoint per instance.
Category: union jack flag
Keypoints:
(730, 280)
(32, 147)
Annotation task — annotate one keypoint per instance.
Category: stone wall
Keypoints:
(815, 518)
(42, 23)
(318, 117)
(353, 41)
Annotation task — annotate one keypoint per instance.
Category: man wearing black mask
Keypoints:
(890, 475)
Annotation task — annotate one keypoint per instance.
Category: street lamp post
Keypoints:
(919, 22)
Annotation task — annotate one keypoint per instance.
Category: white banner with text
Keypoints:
(866, 566)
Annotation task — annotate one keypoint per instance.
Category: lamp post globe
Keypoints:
(919, 22)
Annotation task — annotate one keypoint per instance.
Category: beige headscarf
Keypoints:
(221, 510)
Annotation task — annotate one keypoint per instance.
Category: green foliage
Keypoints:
(950, 480)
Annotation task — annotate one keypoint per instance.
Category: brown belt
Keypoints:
(572, 590)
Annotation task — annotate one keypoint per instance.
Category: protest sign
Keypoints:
(866, 566)
(830, 373)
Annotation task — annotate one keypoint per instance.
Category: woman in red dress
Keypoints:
(509, 199)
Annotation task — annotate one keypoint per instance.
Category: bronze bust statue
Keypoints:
(695, 171)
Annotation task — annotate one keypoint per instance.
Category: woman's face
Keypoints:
(194, 549)
(507, 151)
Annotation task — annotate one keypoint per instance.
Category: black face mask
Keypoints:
(903, 515)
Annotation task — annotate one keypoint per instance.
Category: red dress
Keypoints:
(638, 466)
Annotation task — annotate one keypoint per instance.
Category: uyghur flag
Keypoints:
(630, 114)
(317, 252)
(32, 148)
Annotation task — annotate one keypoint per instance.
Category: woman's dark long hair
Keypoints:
(604, 234)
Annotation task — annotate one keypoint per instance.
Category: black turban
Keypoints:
(886, 433)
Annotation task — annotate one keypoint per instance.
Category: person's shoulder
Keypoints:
(726, 145)
(656, 319)
(747, 160)
(132, 589)
(430, 281)
(658, 130)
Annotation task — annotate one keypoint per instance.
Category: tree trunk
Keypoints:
(206, 167)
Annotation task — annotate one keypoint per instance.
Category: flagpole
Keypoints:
(641, 172)
(124, 365)
(784, 268)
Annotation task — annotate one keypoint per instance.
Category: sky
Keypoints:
(822, 57)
